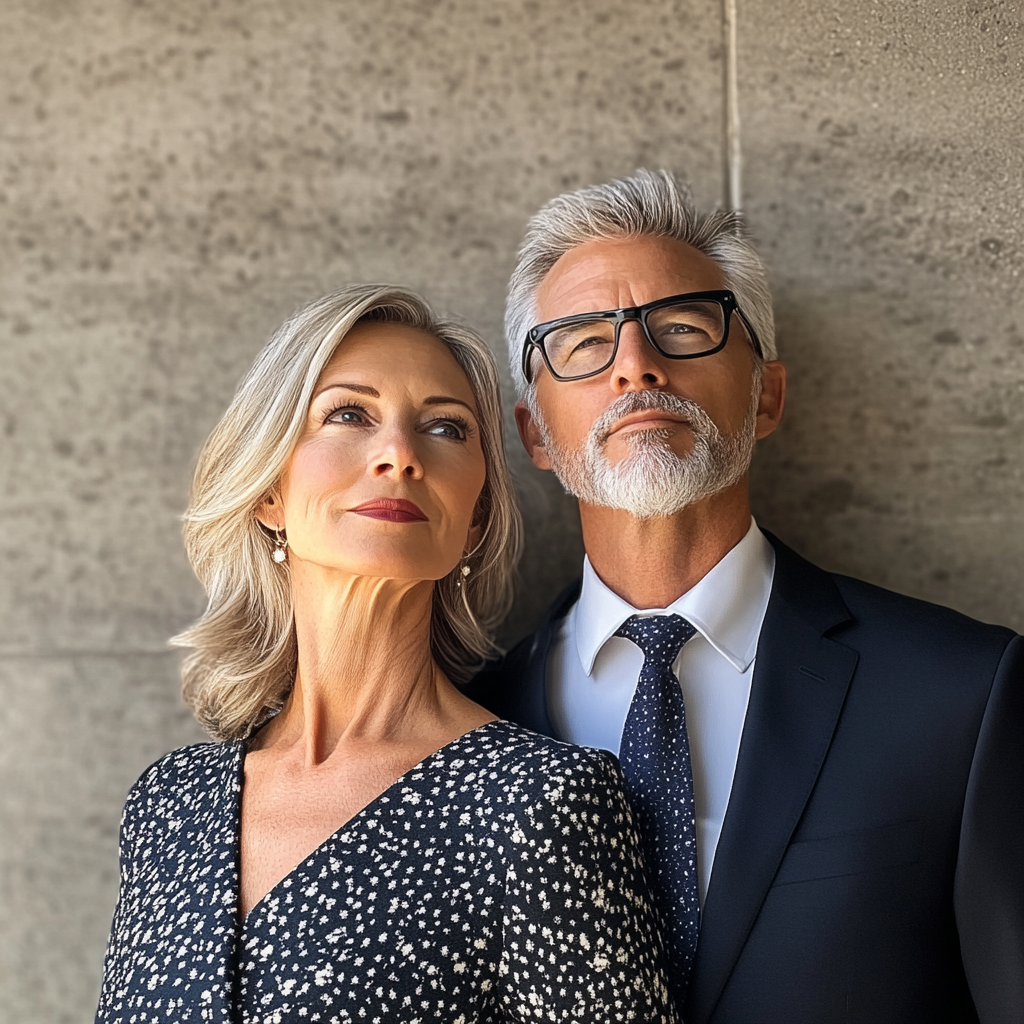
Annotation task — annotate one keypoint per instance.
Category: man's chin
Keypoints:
(621, 447)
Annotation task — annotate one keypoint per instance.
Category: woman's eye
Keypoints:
(448, 428)
(348, 414)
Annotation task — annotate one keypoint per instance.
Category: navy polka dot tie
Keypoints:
(655, 758)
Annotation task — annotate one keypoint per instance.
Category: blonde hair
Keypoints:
(244, 654)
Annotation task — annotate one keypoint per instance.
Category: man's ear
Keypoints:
(270, 512)
(530, 435)
(773, 398)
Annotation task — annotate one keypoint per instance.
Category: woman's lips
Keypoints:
(394, 510)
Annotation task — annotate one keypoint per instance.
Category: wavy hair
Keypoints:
(244, 655)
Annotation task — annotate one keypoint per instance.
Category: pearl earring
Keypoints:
(279, 554)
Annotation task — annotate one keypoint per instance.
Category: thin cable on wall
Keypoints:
(733, 157)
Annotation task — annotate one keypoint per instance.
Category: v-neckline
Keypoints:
(364, 811)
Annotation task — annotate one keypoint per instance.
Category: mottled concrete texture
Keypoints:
(176, 177)
(885, 178)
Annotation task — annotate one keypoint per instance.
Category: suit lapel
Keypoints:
(800, 682)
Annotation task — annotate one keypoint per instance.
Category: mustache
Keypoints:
(643, 401)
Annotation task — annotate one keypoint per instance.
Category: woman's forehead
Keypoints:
(397, 355)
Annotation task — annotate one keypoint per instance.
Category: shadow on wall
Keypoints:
(899, 457)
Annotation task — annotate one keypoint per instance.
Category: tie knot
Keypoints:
(660, 637)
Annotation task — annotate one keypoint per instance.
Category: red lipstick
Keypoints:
(393, 510)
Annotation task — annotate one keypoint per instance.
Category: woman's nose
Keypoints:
(397, 455)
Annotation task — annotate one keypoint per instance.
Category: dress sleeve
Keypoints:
(119, 941)
(580, 941)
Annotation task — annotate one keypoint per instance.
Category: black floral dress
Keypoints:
(498, 880)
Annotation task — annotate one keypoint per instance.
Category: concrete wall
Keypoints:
(885, 175)
(176, 178)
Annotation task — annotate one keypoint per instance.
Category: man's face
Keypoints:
(611, 274)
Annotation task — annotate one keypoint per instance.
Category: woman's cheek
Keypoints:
(320, 468)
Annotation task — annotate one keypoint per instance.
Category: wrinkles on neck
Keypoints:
(365, 672)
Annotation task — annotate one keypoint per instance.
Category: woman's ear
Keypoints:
(270, 512)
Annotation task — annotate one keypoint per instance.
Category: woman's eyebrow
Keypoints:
(365, 389)
(359, 389)
(448, 400)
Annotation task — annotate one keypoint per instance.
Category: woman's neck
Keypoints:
(365, 671)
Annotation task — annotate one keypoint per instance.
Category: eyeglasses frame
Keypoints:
(725, 298)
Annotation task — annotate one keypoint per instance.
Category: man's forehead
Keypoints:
(612, 273)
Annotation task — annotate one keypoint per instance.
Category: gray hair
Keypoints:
(244, 653)
(648, 203)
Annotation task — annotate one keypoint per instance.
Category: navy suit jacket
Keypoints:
(871, 863)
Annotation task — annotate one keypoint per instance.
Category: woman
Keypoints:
(366, 843)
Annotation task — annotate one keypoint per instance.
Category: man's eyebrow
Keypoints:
(448, 400)
(359, 389)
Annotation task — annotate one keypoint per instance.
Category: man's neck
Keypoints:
(652, 562)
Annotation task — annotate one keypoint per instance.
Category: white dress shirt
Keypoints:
(591, 674)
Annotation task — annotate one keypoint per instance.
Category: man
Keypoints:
(829, 777)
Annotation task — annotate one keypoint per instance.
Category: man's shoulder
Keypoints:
(866, 616)
(885, 620)
(870, 600)
(905, 626)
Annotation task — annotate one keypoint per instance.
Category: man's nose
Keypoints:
(638, 365)
(396, 454)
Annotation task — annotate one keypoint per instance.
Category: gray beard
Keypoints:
(652, 480)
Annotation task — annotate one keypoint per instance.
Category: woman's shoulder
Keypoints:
(529, 761)
(183, 776)
(571, 795)
(185, 764)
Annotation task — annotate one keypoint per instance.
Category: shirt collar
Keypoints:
(726, 607)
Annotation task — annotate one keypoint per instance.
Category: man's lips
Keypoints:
(394, 510)
(649, 418)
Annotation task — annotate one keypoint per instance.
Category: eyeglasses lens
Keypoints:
(687, 329)
(683, 329)
(580, 349)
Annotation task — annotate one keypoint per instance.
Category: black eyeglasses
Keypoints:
(680, 327)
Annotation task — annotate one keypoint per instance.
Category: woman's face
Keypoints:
(385, 478)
